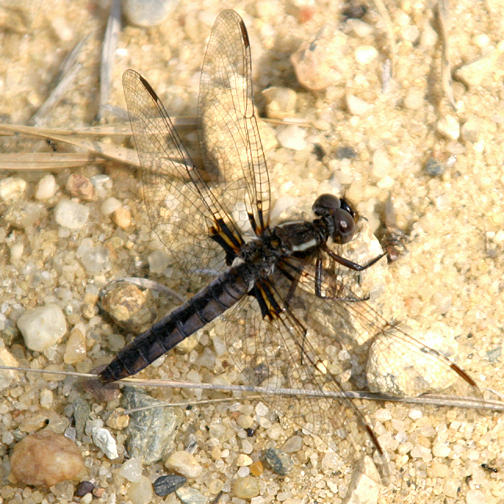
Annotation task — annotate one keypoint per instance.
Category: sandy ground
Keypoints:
(452, 273)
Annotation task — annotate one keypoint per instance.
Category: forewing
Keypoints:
(229, 133)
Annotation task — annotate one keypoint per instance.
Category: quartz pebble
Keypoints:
(7, 378)
(158, 261)
(391, 371)
(365, 484)
(140, 492)
(183, 463)
(12, 189)
(95, 258)
(103, 439)
(46, 187)
(449, 127)
(80, 187)
(292, 137)
(188, 495)
(147, 13)
(245, 488)
(75, 350)
(132, 469)
(365, 54)
(110, 205)
(356, 106)
(480, 71)
(71, 214)
(42, 327)
(46, 458)
(324, 61)
(280, 102)
(122, 217)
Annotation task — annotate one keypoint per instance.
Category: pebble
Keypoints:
(126, 304)
(147, 13)
(81, 414)
(471, 130)
(414, 99)
(83, 488)
(75, 349)
(480, 71)
(140, 492)
(189, 495)
(132, 469)
(292, 137)
(245, 488)
(95, 258)
(8, 378)
(293, 444)
(46, 398)
(118, 419)
(46, 458)
(365, 54)
(391, 371)
(42, 327)
(165, 485)
(25, 215)
(80, 187)
(122, 217)
(449, 127)
(110, 205)
(257, 468)
(151, 432)
(12, 189)
(278, 461)
(103, 439)
(324, 61)
(280, 102)
(365, 486)
(46, 187)
(158, 261)
(243, 460)
(381, 164)
(356, 106)
(183, 463)
(434, 167)
(71, 214)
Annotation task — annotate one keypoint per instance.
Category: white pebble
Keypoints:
(46, 187)
(110, 205)
(132, 469)
(141, 492)
(261, 409)
(104, 440)
(184, 463)
(356, 106)
(42, 327)
(147, 13)
(292, 137)
(365, 54)
(12, 188)
(7, 378)
(415, 414)
(71, 214)
(243, 460)
(449, 127)
(46, 398)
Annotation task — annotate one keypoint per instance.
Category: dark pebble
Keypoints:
(83, 488)
(346, 153)
(168, 484)
(278, 461)
(434, 168)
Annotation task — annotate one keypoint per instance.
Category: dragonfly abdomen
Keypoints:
(185, 320)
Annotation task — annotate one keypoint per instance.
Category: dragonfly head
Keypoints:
(339, 216)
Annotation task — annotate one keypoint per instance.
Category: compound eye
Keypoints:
(344, 226)
(345, 205)
(325, 205)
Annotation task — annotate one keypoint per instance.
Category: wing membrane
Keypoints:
(229, 133)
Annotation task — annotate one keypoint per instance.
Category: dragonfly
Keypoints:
(272, 284)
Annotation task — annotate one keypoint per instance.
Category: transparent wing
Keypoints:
(182, 208)
(229, 134)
